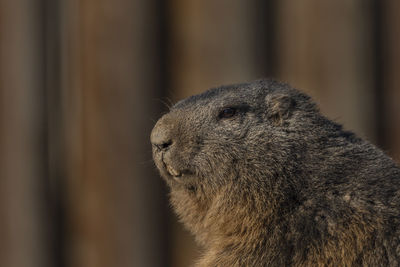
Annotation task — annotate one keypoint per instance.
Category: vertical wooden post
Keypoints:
(111, 83)
(23, 241)
(325, 48)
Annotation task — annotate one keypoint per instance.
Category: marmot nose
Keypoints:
(161, 137)
(163, 145)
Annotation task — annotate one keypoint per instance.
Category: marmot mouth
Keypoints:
(177, 174)
(171, 171)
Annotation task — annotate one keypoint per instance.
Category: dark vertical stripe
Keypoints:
(54, 148)
(163, 87)
(377, 28)
(265, 37)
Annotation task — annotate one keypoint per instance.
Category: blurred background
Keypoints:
(82, 82)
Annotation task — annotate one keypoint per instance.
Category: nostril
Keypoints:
(164, 146)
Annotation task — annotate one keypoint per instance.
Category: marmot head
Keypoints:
(212, 138)
(232, 150)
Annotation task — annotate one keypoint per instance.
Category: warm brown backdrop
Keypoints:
(83, 81)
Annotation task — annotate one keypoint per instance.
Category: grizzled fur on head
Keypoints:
(261, 178)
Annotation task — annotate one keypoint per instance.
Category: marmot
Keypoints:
(261, 178)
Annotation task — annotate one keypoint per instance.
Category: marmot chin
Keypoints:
(261, 178)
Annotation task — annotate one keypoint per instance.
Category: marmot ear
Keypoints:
(279, 107)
